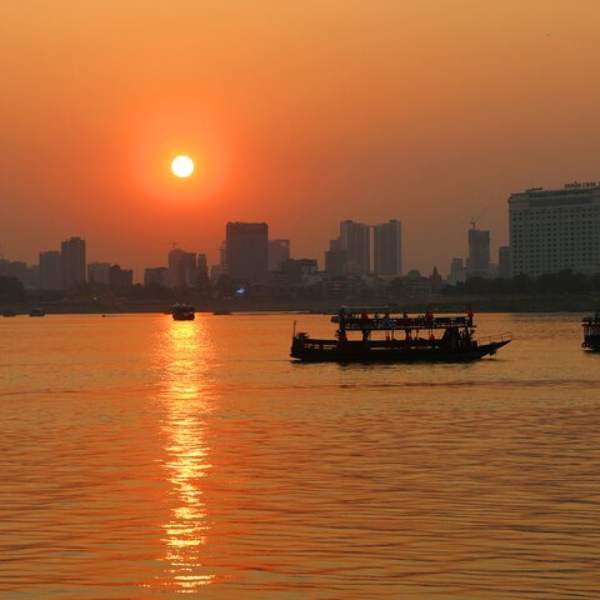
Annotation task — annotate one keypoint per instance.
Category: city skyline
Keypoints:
(32, 256)
(54, 271)
(550, 230)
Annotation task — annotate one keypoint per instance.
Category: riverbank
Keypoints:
(541, 303)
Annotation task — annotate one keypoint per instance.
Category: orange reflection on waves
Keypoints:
(182, 353)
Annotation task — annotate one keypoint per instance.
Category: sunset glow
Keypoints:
(182, 166)
(268, 125)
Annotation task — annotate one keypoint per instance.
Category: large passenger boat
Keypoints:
(395, 337)
(591, 333)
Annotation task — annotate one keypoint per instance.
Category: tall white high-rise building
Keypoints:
(554, 230)
(388, 249)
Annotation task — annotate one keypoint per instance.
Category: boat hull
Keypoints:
(184, 317)
(357, 352)
(591, 343)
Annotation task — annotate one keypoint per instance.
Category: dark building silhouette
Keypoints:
(478, 263)
(335, 258)
(388, 249)
(279, 251)
(72, 255)
(457, 271)
(202, 278)
(50, 270)
(156, 276)
(14, 268)
(295, 269)
(355, 240)
(247, 253)
(32, 277)
(504, 262)
(120, 280)
(436, 280)
(182, 269)
(98, 273)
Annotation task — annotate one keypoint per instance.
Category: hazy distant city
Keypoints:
(554, 247)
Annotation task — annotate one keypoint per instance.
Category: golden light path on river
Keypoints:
(185, 398)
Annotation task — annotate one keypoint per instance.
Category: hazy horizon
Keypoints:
(300, 115)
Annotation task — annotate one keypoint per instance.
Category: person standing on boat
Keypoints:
(428, 318)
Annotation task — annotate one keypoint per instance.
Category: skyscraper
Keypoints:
(478, 263)
(388, 249)
(279, 252)
(72, 258)
(50, 270)
(355, 240)
(182, 268)
(248, 252)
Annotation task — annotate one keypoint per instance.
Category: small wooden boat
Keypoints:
(183, 312)
(591, 333)
(37, 312)
(9, 313)
(405, 339)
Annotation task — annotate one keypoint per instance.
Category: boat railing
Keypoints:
(391, 323)
(497, 338)
(590, 322)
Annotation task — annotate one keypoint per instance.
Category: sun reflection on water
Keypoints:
(182, 354)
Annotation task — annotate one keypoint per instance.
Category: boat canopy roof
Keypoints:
(370, 319)
(595, 320)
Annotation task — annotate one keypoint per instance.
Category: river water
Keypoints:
(146, 458)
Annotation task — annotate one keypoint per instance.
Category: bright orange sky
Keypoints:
(297, 113)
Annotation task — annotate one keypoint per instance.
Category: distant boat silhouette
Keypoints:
(37, 312)
(183, 312)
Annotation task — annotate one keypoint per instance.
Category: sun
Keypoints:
(182, 166)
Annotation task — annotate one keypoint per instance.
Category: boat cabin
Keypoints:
(402, 329)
